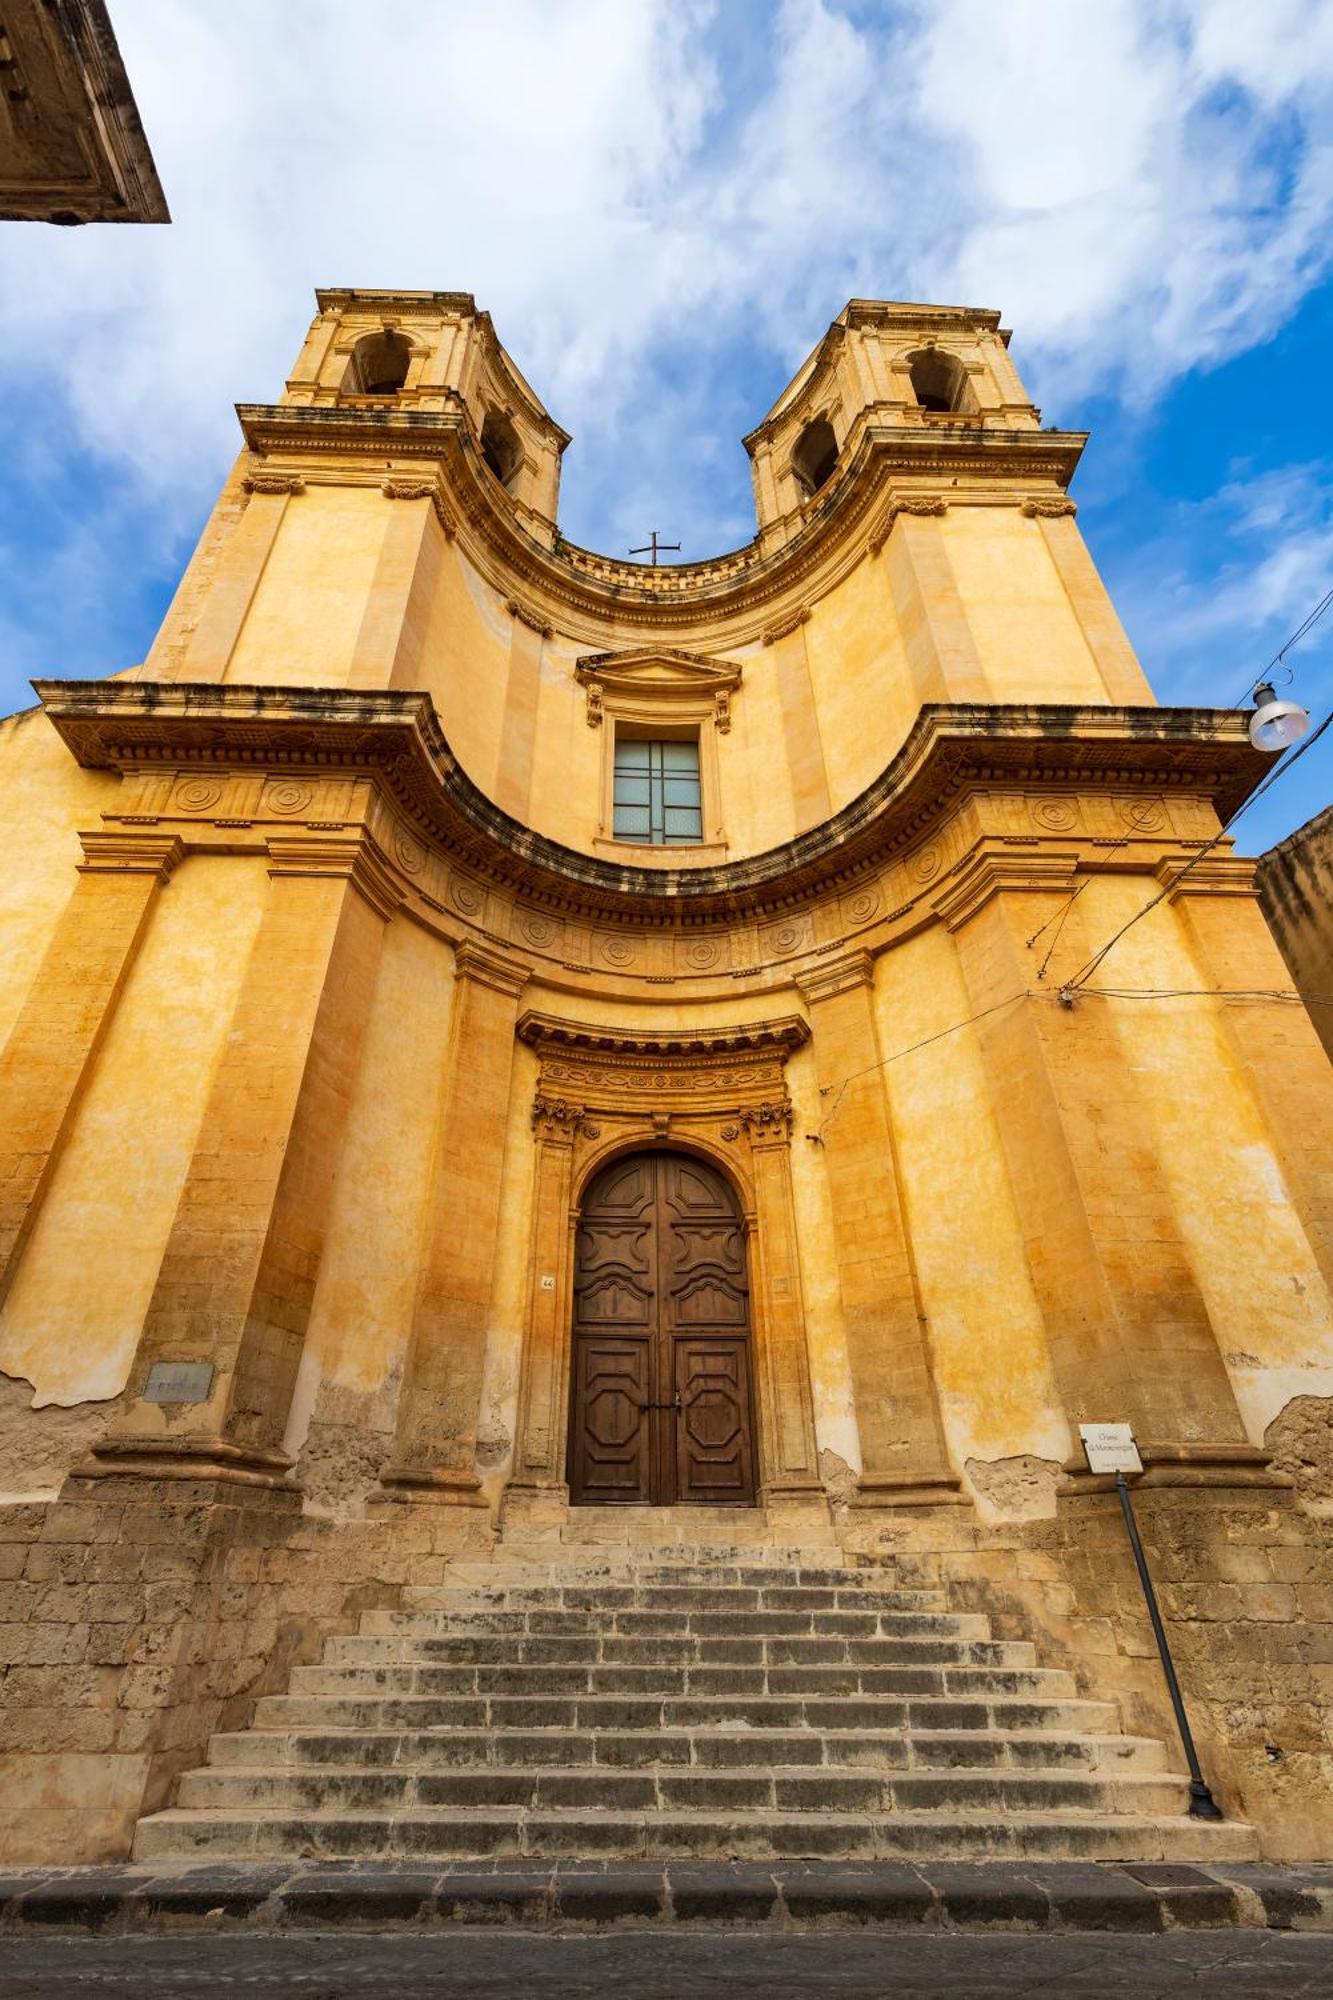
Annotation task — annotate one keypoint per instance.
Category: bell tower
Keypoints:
(931, 390)
(406, 354)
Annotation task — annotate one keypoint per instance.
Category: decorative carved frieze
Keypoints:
(772, 633)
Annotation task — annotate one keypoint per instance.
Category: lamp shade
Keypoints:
(1276, 724)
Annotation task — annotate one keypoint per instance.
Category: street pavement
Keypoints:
(651, 1964)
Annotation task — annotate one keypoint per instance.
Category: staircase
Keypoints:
(704, 1704)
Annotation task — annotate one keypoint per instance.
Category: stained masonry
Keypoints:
(329, 989)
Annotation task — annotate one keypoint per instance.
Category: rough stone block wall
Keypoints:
(139, 1616)
(1244, 1577)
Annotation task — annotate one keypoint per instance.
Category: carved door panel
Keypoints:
(660, 1406)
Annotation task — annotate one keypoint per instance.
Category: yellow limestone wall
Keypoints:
(998, 1400)
(302, 625)
(72, 1318)
(1268, 1302)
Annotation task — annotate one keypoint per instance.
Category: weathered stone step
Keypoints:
(634, 1594)
(404, 1789)
(920, 1749)
(709, 1712)
(455, 1831)
(614, 1649)
(407, 1677)
(678, 1624)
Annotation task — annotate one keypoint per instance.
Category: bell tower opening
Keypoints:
(502, 448)
(378, 365)
(814, 456)
(939, 382)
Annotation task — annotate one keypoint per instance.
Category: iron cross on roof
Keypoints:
(654, 548)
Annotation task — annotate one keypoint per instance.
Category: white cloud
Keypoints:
(1140, 187)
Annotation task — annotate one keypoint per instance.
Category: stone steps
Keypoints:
(547, 1789)
(926, 1750)
(761, 1835)
(610, 1712)
(685, 1650)
(406, 1677)
(752, 1707)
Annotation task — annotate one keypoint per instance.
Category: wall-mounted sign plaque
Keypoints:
(179, 1382)
(1110, 1448)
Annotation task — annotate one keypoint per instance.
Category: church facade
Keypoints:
(502, 1048)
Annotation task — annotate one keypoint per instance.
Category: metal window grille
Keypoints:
(656, 793)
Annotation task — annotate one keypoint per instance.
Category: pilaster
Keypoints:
(1271, 1038)
(941, 651)
(232, 587)
(903, 1456)
(388, 650)
(49, 1056)
(1129, 1332)
(237, 1277)
(435, 1442)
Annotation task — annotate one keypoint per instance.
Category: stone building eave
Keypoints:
(396, 737)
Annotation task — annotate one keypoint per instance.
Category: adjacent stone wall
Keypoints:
(1244, 1576)
(1295, 882)
(137, 1616)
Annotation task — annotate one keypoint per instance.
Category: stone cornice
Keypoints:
(742, 584)
(396, 738)
(766, 1038)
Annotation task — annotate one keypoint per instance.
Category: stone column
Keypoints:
(789, 1455)
(1130, 1336)
(435, 1443)
(903, 1456)
(1273, 1041)
(238, 1274)
(49, 1055)
(539, 1473)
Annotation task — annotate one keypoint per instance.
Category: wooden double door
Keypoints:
(660, 1405)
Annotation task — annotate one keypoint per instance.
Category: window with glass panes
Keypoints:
(656, 792)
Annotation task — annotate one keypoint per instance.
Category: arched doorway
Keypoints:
(660, 1406)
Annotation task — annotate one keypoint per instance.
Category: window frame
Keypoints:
(661, 695)
(657, 780)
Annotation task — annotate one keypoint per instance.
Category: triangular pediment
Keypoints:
(645, 670)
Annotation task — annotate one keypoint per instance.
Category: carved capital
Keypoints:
(596, 711)
(767, 1124)
(533, 619)
(772, 633)
(838, 975)
(1048, 508)
(111, 852)
(267, 481)
(355, 859)
(488, 968)
(924, 504)
(407, 488)
(988, 873)
(558, 1121)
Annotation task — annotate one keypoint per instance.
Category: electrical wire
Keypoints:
(1091, 992)
(1086, 970)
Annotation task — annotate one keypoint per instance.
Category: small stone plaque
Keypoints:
(1110, 1448)
(179, 1382)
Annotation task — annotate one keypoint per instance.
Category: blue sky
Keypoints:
(663, 203)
